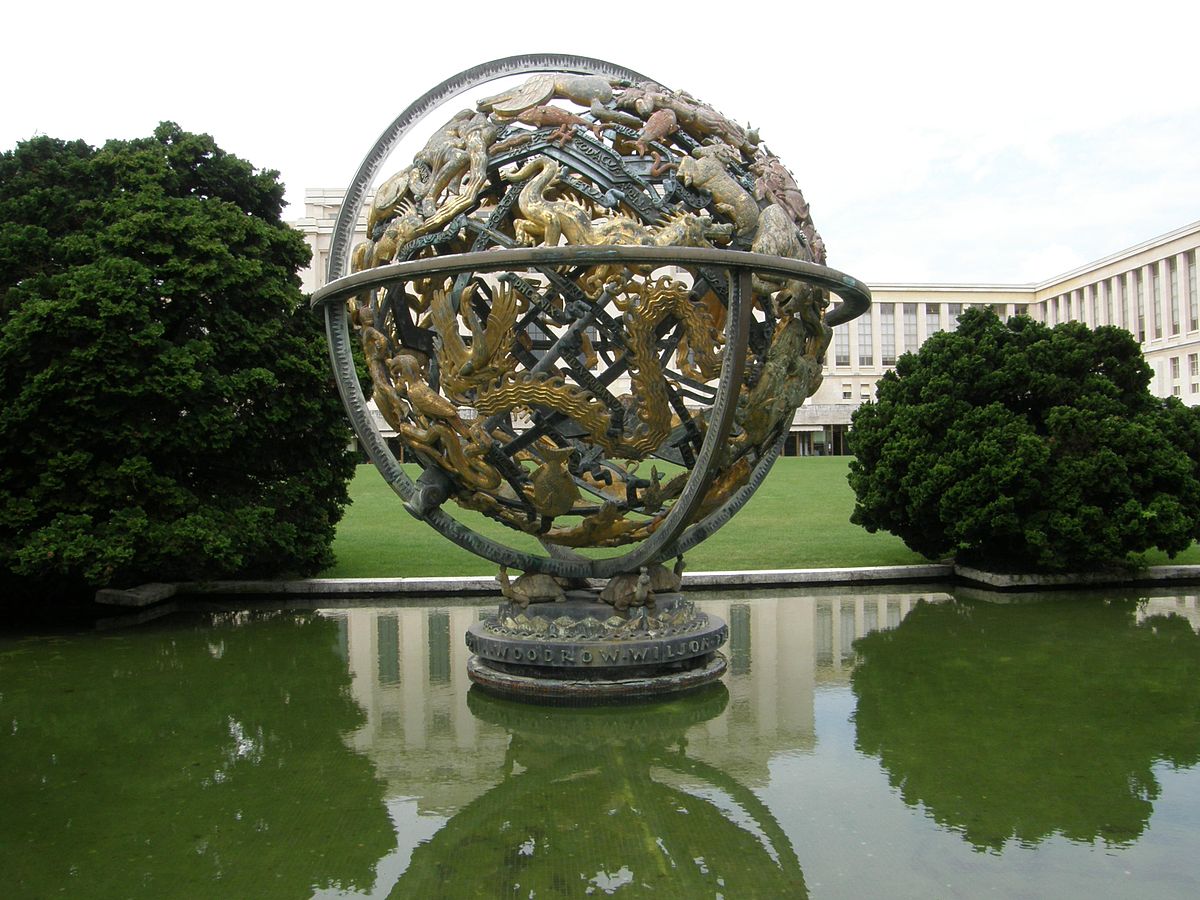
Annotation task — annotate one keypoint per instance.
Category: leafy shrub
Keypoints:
(1025, 447)
(165, 406)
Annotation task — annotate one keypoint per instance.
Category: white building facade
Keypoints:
(1149, 289)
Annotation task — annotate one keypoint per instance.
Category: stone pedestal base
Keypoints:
(581, 650)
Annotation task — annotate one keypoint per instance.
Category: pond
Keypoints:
(909, 743)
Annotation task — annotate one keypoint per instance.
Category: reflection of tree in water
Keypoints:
(606, 801)
(196, 763)
(1020, 721)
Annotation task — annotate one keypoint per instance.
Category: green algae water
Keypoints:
(901, 744)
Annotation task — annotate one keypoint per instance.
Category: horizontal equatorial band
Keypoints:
(855, 294)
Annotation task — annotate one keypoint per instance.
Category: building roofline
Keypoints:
(929, 286)
(1029, 287)
(1150, 244)
(1035, 286)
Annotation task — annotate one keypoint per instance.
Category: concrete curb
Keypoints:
(484, 586)
(143, 595)
(1032, 582)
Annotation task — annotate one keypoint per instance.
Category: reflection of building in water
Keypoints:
(408, 671)
(1186, 606)
(781, 651)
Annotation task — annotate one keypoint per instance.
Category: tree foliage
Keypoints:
(1025, 447)
(165, 407)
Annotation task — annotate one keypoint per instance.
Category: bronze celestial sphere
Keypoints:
(590, 307)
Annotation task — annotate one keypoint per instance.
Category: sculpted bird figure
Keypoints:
(424, 400)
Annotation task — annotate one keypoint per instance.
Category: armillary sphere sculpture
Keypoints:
(590, 307)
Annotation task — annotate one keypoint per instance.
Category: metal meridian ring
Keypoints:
(337, 325)
(343, 230)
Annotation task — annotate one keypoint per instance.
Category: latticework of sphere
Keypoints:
(590, 307)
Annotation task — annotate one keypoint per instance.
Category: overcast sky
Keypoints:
(942, 142)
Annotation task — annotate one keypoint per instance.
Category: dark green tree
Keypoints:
(1025, 447)
(165, 407)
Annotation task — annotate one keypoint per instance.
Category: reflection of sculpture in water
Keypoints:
(1016, 722)
(625, 772)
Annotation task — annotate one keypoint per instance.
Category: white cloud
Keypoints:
(935, 140)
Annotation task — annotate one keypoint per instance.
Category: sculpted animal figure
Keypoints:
(554, 491)
(586, 90)
(776, 184)
(662, 123)
(545, 220)
(540, 116)
(461, 366)
(453, 160)
(624, 591)
(696, 118)
(532, 587)
(629, 589)
(731, 198)
(778, 236)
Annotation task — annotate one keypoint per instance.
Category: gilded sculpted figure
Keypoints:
(536, 396)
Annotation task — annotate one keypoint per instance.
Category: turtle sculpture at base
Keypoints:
(532, 587)
(590, 307)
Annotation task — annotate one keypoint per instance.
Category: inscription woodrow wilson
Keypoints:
(589, 306)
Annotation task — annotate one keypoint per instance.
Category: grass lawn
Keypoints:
(798, 519)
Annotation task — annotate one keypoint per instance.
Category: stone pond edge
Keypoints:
(482, 585)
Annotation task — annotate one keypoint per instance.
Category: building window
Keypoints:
(999, 309)
(439, 647)
(1104, 301)
(1194, 364)
(1193, 298)
(1087, 306)
(387, 631)
(1117, 292)
(887, 334)
(1174, 368)
(910, 327)
(953, 311)
(841, 346)
(1139, 293)
(866, 355)
(847, 391)
(1173, 286)
(933, 319)
(1156, 297)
